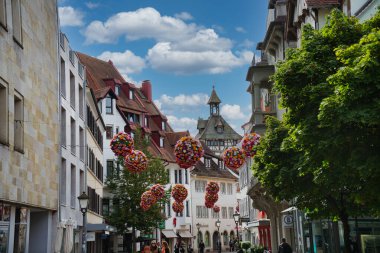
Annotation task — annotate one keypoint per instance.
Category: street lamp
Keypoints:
(83, 203)
(198, 225)
(219, 244)
(236, 219)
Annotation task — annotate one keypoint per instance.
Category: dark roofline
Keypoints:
(97, 108)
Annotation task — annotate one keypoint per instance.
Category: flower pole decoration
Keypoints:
(122, 144)
(211, 198)
(177, 207)
(212, 188)
(249, 144)
(179, 192)
(188, 151)
(136, 161)
(158, 191)
(233, 158)
(147, 200)
(209, 204)
(216, 209)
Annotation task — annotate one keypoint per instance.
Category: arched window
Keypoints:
(200, 237)
(225, 238)
(207, 239)
(232, 235)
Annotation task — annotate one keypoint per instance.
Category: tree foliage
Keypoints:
(127, 188)
(325, 154)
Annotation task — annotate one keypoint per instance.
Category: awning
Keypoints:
(185, 234)
(169, 234)
(290, 209)
(100, 227)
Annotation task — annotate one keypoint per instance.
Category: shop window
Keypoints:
(21, 222)
(5, 213)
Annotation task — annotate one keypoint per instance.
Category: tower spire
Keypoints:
(214, 102)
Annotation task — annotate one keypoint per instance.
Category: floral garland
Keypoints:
(212, 188)
(216, 209)
(249, 144)
(211, 198)
(122, 144)
(177, 207)
(147, 200)
(209, 204)
(188, 151)
(233, 158)
(158, 191)
(136, 161)
(179, 192)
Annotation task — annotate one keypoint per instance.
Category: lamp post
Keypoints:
(83, 203)
(198, 227)
(236, 219)
(219, 244)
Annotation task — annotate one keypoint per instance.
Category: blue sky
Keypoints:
(183, 46)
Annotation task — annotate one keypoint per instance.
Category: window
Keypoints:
(3, 112)
(116, 130)
(81, 99)
(200, 186)
(16, 21)
(73, 136)
(5, 213)
(21, 223)
(63, 127)
(63, 182)
(100, 106)
(81, 143)
(109, 132)
(186, 177)
(208, 162)
(224, 212)
(178, 176)
(163, 125)
(19, 122)
(146, 121)
(223, 188)
(179, 214)
(72, 57)
(3, 14)
(117, 90)
(62, 79)
(207, 239)
(229, 189)
(187, 209)
(214, 214)
(109, 107)
(130, 94)
(200, 237)
(81, 182)
(110, 168)
(230, 212)
(169, 209)
(73, 186)
(201, 212)
(72, 90)
(161, 142)
(80, 69)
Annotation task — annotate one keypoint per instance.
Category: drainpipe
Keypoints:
(349, 8)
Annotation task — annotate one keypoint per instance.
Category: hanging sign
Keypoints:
(287, 221)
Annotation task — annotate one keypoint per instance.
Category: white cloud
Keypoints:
(240, 29)
(192, 100)
(92, 5)
(232, 112)
(246, 44)
(183, 124)
(68, 16)
(126, 62)
(158, 104)
(184, 16)
(164, 57)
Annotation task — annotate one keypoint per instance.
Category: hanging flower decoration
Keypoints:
(211, 198)
(212, 188)
(136, 161)
(177, 207)
(122, 144)
(158, 191)
(216, 209)
(179, 192)
(209, 204)
(147, 200)
(188, 151)
(233, 158)
(249, 144)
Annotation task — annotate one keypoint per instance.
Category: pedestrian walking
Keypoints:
(201, 247)
(284, 247)
(231, 243)
(176, 247)
(165, 247)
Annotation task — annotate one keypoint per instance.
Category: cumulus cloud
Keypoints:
(183, 124)
(192, 100)
(68, 16)
(184, 16)
(240, 29)
(246, 44)
(232, 112)
(126, 62)
(92, 5)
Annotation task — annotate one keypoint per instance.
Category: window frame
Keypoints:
(19, 40)
(5, 120)
(21, 134)
(108, 98)
(107, 137)
(4, 23)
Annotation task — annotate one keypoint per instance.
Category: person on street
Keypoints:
(165, 247)
(153, 247)
(284, 247)
(231, 245)
(201, 247)
(176, 247)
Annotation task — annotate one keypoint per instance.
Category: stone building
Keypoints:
(29, 125)
(215, 132)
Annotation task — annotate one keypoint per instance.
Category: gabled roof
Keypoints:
(210, 131)
(214, 171)
(322, 3)
(103, 92)
(214, 99)
(201, 123)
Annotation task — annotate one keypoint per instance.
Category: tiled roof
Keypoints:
(102, 92)
(215, 172)
(214, 99)
(210, 132)
(173, 137)
(321, 3)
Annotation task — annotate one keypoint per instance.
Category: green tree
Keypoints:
(325, 154)
(127, 188)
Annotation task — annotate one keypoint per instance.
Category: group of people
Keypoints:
(155, 247)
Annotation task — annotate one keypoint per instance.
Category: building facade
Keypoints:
(29, 125)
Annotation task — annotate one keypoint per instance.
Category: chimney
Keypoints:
(147, 89)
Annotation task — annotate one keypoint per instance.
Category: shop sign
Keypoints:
(91, 236)
(287, 221)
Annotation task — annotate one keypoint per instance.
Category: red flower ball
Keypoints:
(233, 158)
(122, 144)
(158, 191)
(177, 207)
(211, 198)
(179, 192)
(188, 151)
(136, 161)
(209, 204)
(216, 209)
(212, 188)
(147, 200)
(249, 144)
